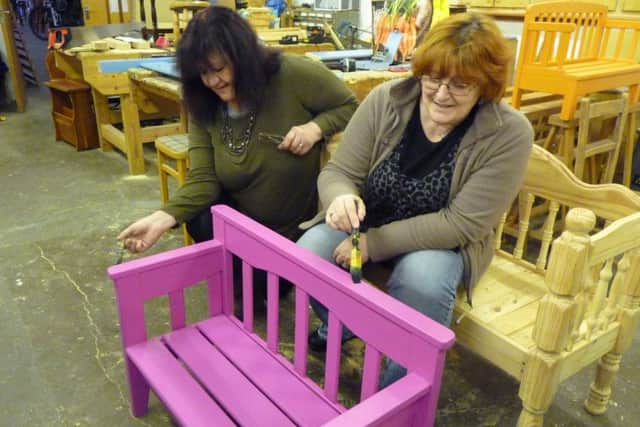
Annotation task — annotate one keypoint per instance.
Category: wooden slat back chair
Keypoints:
(572, 49)
(154, 19)
(183, 11)
(571, 301)
(593, 144)
(594, 158)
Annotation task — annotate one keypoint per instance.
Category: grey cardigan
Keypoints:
(489, 168)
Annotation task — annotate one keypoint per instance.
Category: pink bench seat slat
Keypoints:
(305, 406)
(184, 397)
(242, 400)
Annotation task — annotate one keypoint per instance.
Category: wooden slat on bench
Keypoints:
(184, 397)
(303, 405)
(236, 394)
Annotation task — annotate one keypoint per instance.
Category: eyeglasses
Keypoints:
(454, 87)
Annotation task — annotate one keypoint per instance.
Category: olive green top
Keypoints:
(276, 188)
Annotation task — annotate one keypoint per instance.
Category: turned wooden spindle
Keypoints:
(547, 235)
(556, 316)
(629, 315)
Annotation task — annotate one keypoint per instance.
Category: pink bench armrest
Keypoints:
(393, 405)
(167, 273)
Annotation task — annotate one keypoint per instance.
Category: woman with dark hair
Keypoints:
(426, 167)
(257, 122)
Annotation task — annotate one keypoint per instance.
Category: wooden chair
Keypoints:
(598, 142)
(173, 148)
(183, 11)
(570, 302)
(219, 371)
(573, 49)
(606, 148)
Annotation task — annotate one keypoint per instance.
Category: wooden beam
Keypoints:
(15, 69)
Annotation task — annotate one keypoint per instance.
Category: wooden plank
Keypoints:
(306, 405)
(184, 397)
(585, 353)
(501, 351)
(524, 337)
(151, 133)
(513, 322)
(504, 276)
(114, 136)
(17, 80)
(232, 390)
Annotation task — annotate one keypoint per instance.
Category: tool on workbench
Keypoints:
(58, 37)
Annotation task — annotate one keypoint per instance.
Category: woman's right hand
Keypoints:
(144, 233)
(345, 213)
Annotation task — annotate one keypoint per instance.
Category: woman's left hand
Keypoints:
(300, 139)
(342, 253)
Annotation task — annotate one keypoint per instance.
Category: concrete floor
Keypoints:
(61, 361)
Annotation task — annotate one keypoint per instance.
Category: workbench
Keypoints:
(152, 93)
(85, 66)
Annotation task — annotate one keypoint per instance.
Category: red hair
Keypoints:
(469, 46)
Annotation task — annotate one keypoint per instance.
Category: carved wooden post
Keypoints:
(600, 389)
(556, 315)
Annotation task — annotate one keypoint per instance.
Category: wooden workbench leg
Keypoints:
(101, 106)
(132, 137)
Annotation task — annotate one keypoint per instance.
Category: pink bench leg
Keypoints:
(138, 390)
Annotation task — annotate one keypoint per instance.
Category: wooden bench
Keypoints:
(218, 371)
(547, 309)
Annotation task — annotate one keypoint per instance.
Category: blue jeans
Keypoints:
(426, 280)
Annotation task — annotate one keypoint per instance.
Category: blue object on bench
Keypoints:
(168, 69)
(120, 65)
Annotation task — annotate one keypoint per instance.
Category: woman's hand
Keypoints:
(300, 139)
(144, 233)
(342, 253)
(345, 213)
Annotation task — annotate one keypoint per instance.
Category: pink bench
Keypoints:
(219, 372)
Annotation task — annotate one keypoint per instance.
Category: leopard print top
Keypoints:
(391, 194)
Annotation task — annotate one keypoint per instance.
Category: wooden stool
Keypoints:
(72, 113)
(183, 11)
(174, 147)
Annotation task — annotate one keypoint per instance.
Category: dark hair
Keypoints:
(222, 31)
(469, 46)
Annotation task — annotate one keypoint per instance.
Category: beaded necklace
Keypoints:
(240, 145)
